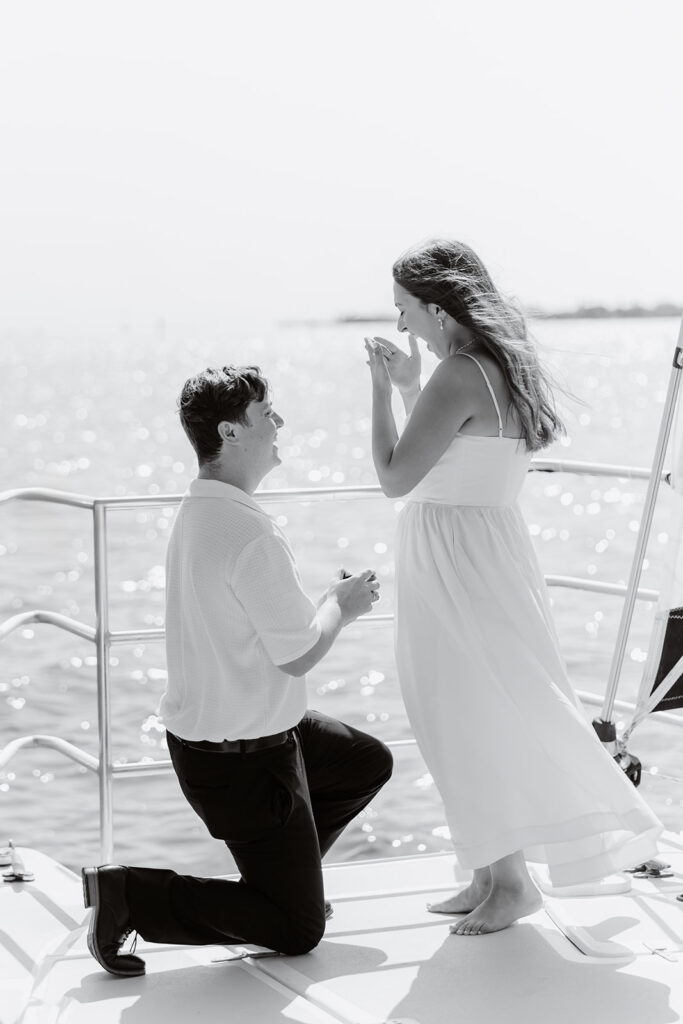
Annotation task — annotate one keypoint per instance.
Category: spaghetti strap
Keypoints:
(491, 391)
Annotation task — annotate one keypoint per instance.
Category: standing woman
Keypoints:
(521, 772)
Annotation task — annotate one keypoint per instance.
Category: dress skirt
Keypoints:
(509, 747)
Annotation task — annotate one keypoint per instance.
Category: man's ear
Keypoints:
(227, 431)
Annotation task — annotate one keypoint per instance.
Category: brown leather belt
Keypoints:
(238, 746)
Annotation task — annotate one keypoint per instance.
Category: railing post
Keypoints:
(105, 773)
(643, 532)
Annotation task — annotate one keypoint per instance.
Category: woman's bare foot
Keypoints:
(465, 901)
(502, 907)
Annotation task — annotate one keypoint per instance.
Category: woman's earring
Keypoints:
(440, 323)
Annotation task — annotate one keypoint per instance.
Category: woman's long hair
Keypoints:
(451, 275)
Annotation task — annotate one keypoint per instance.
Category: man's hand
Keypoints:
(345, 599)
(355, 594)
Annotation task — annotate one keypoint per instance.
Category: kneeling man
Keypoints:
(275, 782)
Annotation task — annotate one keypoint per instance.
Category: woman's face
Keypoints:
(416, 318)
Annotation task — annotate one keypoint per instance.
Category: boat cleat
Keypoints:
(17, 872)
(651, 869)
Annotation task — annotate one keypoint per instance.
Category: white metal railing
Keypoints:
(103, 638)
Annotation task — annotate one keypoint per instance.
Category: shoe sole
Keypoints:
(90, 886)
(91, 895)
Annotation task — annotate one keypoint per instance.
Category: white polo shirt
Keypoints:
(235, 610)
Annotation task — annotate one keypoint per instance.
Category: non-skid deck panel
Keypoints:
(36, 919)
(386, 955)
(635, 923)
(392, 960)
(181, 985)
(383, 958)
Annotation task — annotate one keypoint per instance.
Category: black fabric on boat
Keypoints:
(672, 649)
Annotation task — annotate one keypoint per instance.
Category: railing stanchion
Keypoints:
(103, 637)
(644, 530)
(105, 773)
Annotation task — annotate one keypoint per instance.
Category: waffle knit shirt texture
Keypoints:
(235, 610)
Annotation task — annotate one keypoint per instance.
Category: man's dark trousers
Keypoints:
(279, 810)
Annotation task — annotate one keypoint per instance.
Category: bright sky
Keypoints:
(222, 165)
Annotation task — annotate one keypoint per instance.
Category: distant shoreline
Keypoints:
(663, 309)
(580, 313)
(609, 313)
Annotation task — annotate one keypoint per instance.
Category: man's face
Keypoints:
(259, 434)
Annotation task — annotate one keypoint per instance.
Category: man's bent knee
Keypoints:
(384, 762)
(302, 937)
(388, 761)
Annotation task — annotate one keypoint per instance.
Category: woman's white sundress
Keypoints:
(510, 748)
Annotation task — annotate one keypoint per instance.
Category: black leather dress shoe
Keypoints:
(104, 889)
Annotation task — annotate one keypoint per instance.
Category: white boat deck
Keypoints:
(610, 959)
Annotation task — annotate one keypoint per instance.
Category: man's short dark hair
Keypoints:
(214, 395)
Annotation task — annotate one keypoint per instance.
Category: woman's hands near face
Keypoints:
(377, 361)
(403, 369)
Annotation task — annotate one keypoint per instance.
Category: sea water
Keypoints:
(98, 417)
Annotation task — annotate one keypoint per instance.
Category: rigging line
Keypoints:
(661, 775)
